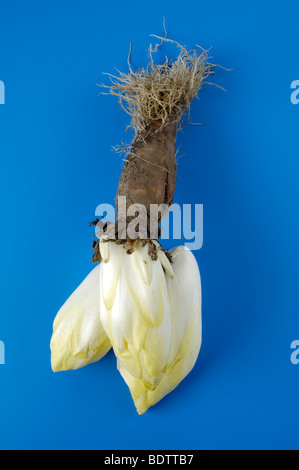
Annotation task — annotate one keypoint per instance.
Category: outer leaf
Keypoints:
(78, 336)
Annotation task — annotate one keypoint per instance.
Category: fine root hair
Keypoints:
(163, 93)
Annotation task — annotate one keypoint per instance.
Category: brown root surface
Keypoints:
(149, 174)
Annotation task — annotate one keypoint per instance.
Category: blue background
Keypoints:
(57, 165)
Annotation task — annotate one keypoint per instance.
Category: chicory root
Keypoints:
(143, 302)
